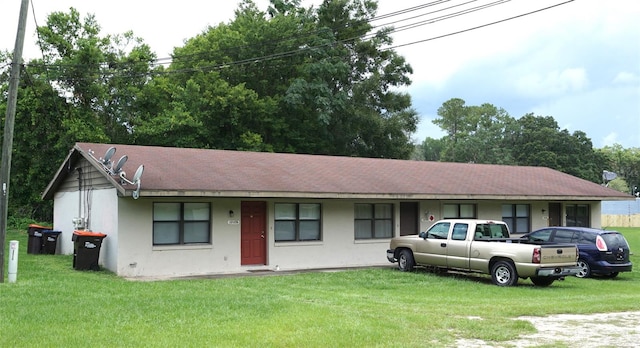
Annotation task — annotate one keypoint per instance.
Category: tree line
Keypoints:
(488, 134)
(317, 80)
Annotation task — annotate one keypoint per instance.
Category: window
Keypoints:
(181, 223)
(563, 236)
(540, 236)
(460, 232)
(297, 222)
(578, 215)
(459, 211)
(439, 230)
(373, 221)
(517, 216)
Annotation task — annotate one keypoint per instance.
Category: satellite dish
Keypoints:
(108, 155)
(138, 174)
(120, 164)
(608, 176)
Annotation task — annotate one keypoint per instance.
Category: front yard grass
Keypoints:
(52, 305)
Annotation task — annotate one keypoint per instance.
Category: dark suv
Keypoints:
(602, 252)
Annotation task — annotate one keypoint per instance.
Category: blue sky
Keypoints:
(578, 62)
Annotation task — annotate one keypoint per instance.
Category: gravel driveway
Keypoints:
(575, 330)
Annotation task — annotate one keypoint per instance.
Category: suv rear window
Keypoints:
(615, 240)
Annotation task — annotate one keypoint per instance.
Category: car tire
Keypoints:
(405, 261)
(503, 273)
(585, 269)
(542, 281)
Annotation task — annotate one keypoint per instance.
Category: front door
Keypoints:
(408, 218)
(253, 237)
(555, 214)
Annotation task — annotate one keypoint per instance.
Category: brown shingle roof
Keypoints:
(198, 172)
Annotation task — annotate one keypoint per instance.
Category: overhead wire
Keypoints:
(481, 26)
(297, 51)
(232, 50)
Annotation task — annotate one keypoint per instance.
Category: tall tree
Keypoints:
(292, 80)
(475, 134)
(101, 76)
(85, 88)
(624, 162)
(539, 141)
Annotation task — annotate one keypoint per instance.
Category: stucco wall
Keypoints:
(101, 216)
(128, 248)
(138, 257)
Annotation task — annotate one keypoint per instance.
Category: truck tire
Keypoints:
(503, 273)
(542, 281)
(405, 260)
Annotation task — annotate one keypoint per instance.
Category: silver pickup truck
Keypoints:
(484, 246)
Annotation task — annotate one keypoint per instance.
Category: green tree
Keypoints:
(431, 149)
(538, 141)
(454, 120)
(85, 88)
(290, 80)
(100, 76)
(624, 162)
(477, 134)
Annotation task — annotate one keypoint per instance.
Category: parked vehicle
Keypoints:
(484, 246)
(601, 252)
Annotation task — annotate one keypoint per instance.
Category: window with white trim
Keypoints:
(517, 217)
(459, 211)
(181, 223)
(297, 222)
(373, 221)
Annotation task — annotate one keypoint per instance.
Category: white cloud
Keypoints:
(610, 139)
(552, 83)
(625, 77)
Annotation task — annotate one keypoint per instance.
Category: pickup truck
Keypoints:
(484, 246)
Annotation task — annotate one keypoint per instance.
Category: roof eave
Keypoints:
(364, 195)
(66, 168)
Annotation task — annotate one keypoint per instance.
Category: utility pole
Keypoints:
(7, 141)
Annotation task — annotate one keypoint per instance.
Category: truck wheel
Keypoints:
(585, 270)
(405, 261)
(503, 273)
(542, 281)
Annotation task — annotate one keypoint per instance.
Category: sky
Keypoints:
(578, 62)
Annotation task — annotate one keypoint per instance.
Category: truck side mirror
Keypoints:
(422, 235)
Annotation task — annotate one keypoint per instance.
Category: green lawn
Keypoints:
(53, 305)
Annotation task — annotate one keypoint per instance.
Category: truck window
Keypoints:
(491, 231)
(460, 231)
(439, 230)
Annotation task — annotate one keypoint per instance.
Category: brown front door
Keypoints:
(555, 214)
(253, 233)
(409, 218)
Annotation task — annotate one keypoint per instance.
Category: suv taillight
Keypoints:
(601, 244)
(536, 255)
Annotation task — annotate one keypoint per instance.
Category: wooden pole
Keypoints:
(7, 141)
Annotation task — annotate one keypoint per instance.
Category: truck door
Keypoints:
(458, 247)
(432, 250)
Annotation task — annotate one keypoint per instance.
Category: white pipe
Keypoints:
(13, 260)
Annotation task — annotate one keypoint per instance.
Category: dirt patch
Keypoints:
(575, 330)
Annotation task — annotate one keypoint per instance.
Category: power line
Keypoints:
(298, 51)
(481, 26)
(271, 43)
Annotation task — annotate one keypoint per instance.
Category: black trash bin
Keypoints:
(50, 241)
(86, 250)
(34, 244)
